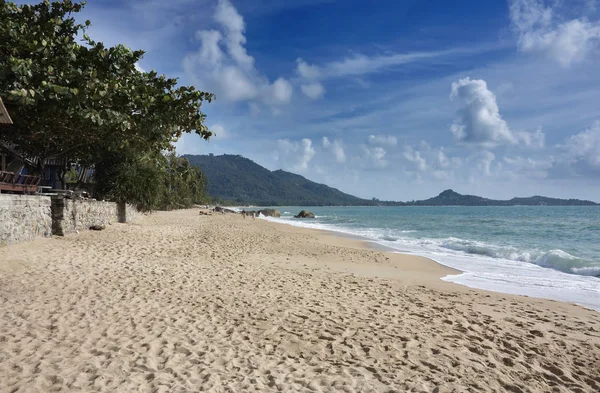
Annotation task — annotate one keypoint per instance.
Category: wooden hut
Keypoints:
(12, 163)
(5, 119)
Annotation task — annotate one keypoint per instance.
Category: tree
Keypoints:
(164, 182)
(88, 103)
(125, 178)
(80, 100)
(184, 184)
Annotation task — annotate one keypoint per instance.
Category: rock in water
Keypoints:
(270, 213)
(305, 214)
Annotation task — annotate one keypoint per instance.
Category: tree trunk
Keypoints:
(122, 212)
(63, 182)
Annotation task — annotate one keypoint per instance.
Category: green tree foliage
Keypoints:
(124, 177)
(184, 185)
(162, 182)
(74, 98)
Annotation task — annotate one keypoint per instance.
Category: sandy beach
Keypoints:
(179, 302)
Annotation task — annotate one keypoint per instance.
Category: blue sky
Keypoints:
(390, 99)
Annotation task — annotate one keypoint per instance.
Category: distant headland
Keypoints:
(234, 179)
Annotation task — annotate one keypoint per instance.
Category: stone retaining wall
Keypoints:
(24, 218)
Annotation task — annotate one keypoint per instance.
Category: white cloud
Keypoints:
(313, 90)
(219, 132)
(282, 91)
(479, 122)
(210, 52)
(582, 151)
(484, 161)
(223, 66)
(535, 139)
(233, 84)
(375, 156)
(139, 67)
(427, 160)
(337, 149)
(232, 21)
(361, 64)
(577, 156)
(295, 155)
(517, 167)
(414, 157)
(540, 31)
(389, 140)
(309, 72)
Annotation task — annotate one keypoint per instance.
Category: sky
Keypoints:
(396, 100)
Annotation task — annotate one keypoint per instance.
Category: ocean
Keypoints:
(541, 251)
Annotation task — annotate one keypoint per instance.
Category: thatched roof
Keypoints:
(4, 116)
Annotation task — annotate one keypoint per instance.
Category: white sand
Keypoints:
(185, 303)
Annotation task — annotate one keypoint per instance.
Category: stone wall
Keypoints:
(24, 218)
(70, 215)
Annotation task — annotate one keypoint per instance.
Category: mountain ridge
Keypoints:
(239, 180)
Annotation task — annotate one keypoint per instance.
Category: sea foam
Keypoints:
(488, 266)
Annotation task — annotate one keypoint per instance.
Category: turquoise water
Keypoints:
(542, 251)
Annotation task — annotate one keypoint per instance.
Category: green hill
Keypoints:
(452, 198)
(240, 180)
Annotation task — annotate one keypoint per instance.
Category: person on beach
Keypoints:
(244, 214)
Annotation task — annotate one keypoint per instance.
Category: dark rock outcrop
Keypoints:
(220, 209)
(270, 213)
(305, 214)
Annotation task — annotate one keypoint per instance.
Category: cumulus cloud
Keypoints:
(479, 122)
(535, 139)
(516, 167)
(223, 66)
(310, 74)
(577, 156)
(424, 159)
(539, 30)
(336, 148)
(374, 156)
(582, 151)
(358, 65)
(389, 140)
(232, 21)
(307, 71)
(484, 161)
(295, 155)
(282, 90)
(219, 132)
(210, 52)
(413, 156)
(313, 90)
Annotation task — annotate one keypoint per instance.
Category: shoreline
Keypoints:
(465, 276)
(179, 302)
(441, 274)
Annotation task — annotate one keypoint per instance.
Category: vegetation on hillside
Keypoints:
(452, 198)
(239, 180)
(71, 97)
